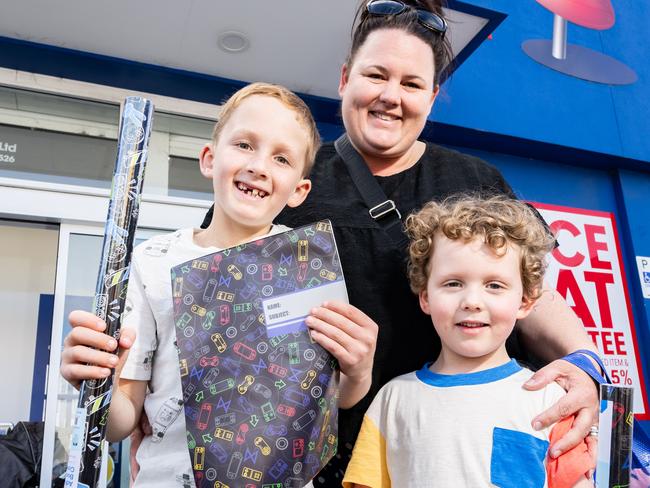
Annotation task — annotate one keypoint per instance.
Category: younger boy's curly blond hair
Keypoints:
(498, 221)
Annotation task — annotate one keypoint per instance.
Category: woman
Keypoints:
(388, 86)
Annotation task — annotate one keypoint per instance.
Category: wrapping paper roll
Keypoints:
(615, 424)
(89, 431)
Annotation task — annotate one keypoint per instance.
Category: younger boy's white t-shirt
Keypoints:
(466, 430)
(163, 457)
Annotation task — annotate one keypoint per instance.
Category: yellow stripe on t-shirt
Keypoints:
(368, 464)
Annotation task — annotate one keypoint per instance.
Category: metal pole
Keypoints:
(559, 37)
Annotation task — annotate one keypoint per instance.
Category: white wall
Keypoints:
(27, 264)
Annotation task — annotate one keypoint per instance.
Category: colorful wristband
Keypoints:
(580, 358)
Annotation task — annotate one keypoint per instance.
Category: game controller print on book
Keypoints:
(260, 398)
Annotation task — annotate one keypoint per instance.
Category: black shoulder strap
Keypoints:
(381, 209)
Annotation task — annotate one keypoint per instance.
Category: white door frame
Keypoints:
(55, 340)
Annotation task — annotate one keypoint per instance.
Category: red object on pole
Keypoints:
(593, 14)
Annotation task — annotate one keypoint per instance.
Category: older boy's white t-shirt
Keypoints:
(163, 457)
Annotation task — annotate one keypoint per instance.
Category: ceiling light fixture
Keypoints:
(232, 41)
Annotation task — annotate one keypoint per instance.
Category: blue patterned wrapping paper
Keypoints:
(260, 398)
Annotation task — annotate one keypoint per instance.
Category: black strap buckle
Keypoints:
(378, 211)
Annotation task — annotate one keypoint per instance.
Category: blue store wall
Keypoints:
(499, 89)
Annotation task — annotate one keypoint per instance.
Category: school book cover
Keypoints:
(260, 397)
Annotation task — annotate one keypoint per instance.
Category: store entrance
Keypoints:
(79, 254)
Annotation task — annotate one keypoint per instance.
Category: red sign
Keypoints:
(587, 270)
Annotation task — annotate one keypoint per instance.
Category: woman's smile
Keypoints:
(387, 93)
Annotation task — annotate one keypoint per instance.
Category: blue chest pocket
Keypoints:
(517, 459)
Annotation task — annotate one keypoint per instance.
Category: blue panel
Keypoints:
(554, 183)
(493, 19)
(450, 135)
(501, 90)
(41, 356)
(517, 459)
(632, 104)
(634, 192)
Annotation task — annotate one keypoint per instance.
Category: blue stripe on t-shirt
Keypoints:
(478, 378)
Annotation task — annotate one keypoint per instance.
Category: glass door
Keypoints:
(28, 261)
(79, 256)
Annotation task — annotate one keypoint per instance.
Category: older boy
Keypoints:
(464, 420)
(262, 150)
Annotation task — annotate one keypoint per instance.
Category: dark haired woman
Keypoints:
(388, 86)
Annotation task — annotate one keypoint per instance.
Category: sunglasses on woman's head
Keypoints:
(427, 19)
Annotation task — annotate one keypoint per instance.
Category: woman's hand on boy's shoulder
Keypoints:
(88, 351)
(581, 399)
(351, 337)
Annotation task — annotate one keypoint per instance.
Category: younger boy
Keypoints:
(464, 420)
(262, 149)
